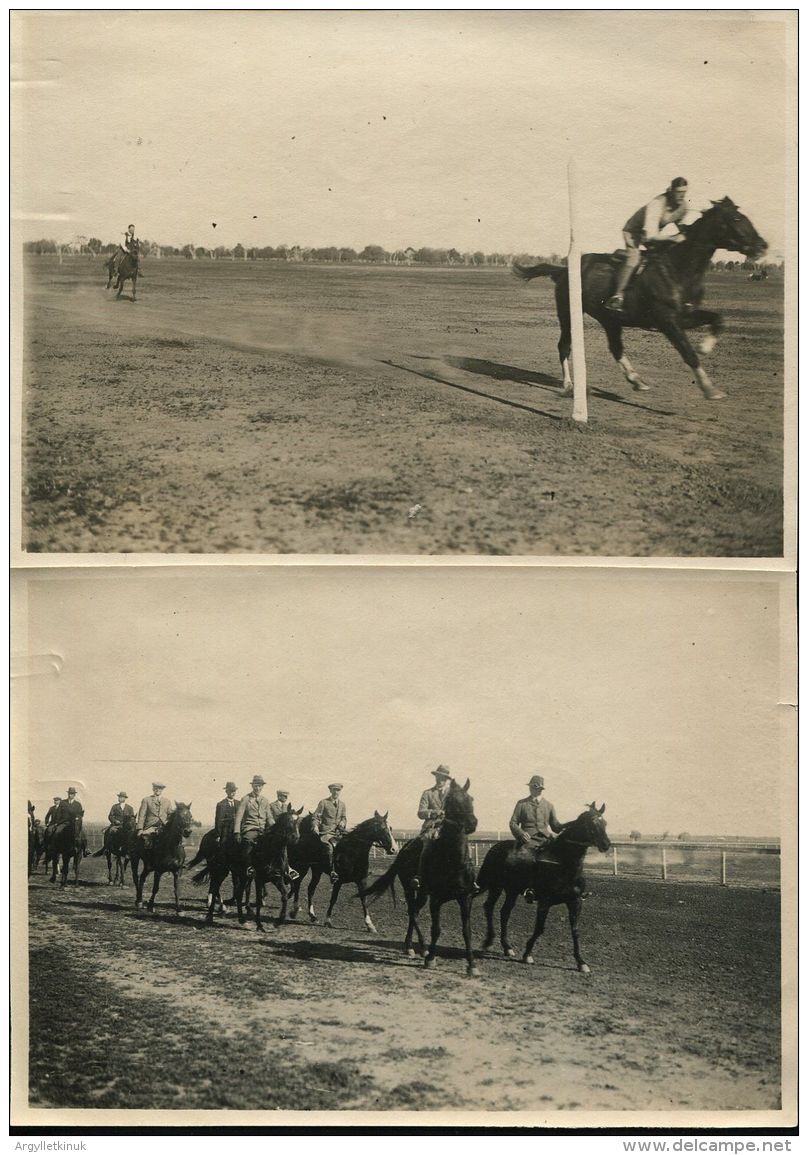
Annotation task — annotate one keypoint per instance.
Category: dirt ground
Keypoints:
(243, 407)
(681, 1010)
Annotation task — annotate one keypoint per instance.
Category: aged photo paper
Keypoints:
(403, 508)
(665, 706)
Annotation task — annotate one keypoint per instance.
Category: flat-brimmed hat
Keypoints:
(71, 789)
(158, 785)
(258, 780)
(536, 780)
(335, 786)
(442, 772)
(122, 794)
(230, 786)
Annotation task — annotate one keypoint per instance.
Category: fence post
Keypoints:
(723, 868)
(476, 855)
(664, 865)
(614, 861)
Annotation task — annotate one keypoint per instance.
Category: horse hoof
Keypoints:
(566, 390)
(708, 344)
(510, 952)
(641, 387)
(486, 945)
(473, 972)
(411, 953)
(430, 963)
(584, 969)
(529, 960)
(714, 394)
(328, 922)
(371, 928)
(312, 918)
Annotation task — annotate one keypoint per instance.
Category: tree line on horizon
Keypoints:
(332, 254)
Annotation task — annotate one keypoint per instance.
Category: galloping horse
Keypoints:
(66, 842)
(447, 874)
(117, 841)
(555, 875)
(128, 269)
(351, 858)
(665, 294)
(162, 854)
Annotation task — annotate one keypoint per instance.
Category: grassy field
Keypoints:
(351, 409)
(681, 1011)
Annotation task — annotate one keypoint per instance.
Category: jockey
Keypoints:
(330, 821)
(646, 225)
(125, 246)
(154, 812)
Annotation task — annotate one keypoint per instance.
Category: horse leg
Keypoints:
(562, 296)
(54, 859)
(335, 889)
(434, 909)
(574, 911)
(541, 919)
(155, 888)
(65, 868)
(614, 335)
(259, 899)
(464, 903)
(671, 328)
(360, 886)
(504, 916)
(296, 894)
(134, 288)
(699, 318)
(176, 874)
(491, 900)
(316, 874)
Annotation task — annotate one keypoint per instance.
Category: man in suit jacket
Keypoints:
(330, 822)
(534, 820)
(50, 817)
(154, 812)
(280, 804)
(430, 808)
(120, 810)
(69, 812)
(225, 819)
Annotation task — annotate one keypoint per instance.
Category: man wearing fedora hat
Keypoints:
(69, 812)
(120, 810)
(430, 808)
(280, 804)
(534, 820)
(154, 812)
(253, 815)
(224, 822)
(330, 822)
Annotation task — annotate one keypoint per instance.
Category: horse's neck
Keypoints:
(453, 839)
(363, 833)
(691, 259)
(569, 847)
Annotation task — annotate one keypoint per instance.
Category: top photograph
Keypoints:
(467, 284)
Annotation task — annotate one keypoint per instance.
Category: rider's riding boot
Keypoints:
(529, 895)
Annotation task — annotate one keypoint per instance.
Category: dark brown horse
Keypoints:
(36, 844)
(117, 841)
(162, 853)
(127, 267)
(67, 842)
(554, 875)
(447, 874)
(351, 861)
(664, 295)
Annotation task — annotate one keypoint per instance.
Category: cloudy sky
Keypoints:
(392, 128)
(657, 695)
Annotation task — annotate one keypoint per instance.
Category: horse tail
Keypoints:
(385, 882)
(528, 272)
(198, 857)
(201, 877)
(98, 853)
(492, 865)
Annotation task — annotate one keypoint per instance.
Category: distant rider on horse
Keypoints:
(646, 225)
(125, 247)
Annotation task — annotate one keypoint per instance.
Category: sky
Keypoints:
(442, 129)
(656, 694)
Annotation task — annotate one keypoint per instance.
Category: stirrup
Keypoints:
(615, 303)
(529, 895)
(292, 875)
(334, 877)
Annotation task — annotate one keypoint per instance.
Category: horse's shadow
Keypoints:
(332, 951)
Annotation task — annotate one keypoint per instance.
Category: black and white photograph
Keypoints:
(420, 845)
(405, 282)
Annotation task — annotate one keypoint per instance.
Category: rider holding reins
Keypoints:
(646, 225)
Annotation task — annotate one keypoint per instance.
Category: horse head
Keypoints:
(288, 825)
(382, 833)
(590, 828)
(732, 230)
(183, 819)
(458, 807)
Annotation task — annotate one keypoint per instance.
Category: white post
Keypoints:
(664, 865)
(579, 409)
(614, 861)
(723, 868)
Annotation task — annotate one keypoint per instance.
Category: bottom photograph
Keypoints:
(416, 846)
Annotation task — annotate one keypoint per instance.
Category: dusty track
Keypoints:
(681, 1010)
(306, 409)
